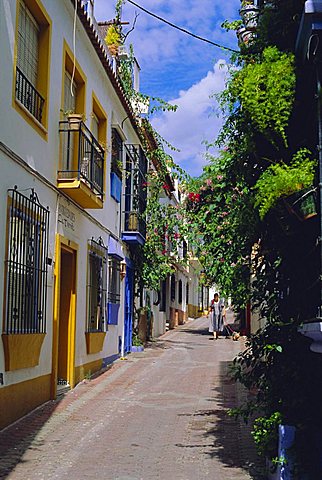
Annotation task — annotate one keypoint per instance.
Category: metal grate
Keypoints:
(114, 280)
(26, 264)
(135, 189)
(97, 286)
(28, 95)
(173, 287)
(117, 153)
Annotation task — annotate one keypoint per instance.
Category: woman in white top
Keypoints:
(217, 316)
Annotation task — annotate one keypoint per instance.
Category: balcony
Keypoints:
(82, 160)
(134, 225)
(28, 96)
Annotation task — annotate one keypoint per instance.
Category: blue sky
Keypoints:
(181, 69)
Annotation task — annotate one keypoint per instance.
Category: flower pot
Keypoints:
(133, 221)
(303, 204)
(113, 49)
(137, 348)
(74, 121)
(245, 37)
(250, 15)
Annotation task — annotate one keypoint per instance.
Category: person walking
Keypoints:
(217, 316)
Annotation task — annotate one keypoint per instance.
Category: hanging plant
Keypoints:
(113, 39)
(281, 180)
(266, 92)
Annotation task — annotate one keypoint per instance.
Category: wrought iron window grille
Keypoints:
(97, 286)
(28, 96)
(114, 280)
(173, 287)
(26, 264)
(180, 292)
(135, 189)
(117, 153)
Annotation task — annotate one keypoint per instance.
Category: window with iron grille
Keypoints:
(114, 280)
(180, 291)
(173, 287)
(135, 189)
(97, 287)
(184, 249)
(26, 264)
(117, 153)
(27, 63)
(28, 44)
(163, 292)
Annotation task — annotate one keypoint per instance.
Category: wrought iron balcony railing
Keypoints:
(27, 94)
(135, 195)
(82, 157)
(134, 222)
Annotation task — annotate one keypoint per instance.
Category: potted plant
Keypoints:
(137, 345)
(113, 39)
(133, 221)
(250, 14)
(245, 37)
(292, 183)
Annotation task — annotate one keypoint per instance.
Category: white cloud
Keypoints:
(194, 121)
(171, 60)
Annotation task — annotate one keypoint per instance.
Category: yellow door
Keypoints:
(64, 316)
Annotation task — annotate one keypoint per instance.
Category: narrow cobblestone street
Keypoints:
(160, 414)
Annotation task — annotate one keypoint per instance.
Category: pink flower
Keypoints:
(233, 264)
(208, 182)
(219, 177)
(222, 260)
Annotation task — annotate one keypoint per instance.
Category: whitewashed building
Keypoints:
(68, 222)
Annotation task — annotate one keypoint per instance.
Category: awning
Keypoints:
(115, 248)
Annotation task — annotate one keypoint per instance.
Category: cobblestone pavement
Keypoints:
(159, 415)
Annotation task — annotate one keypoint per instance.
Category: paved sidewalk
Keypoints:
(159, 415)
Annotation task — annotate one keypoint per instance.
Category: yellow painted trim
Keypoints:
(80, 79)
(64, 243)
(44, 21)
(22, 350)
(80, 192)
(87, 369)
(94, 341)
(19, 399)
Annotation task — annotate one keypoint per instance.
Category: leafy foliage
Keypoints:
(281, 180)
(265, 434)
(265, 90)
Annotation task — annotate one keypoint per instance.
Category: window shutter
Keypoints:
(28, 44)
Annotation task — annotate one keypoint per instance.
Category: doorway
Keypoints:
(64, 319)
(129, 305)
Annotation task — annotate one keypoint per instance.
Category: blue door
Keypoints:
(129, 305)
